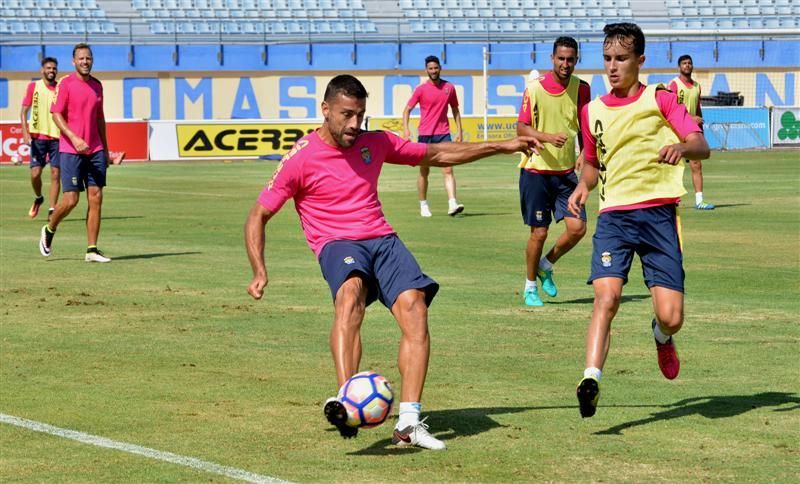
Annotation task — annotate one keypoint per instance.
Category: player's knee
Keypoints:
(607, 301)
(538, 234)
(577, 232)
(670, 320)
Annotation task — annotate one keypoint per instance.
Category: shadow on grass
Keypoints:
(714, 407)
(152, 256)
(727, 205)
(83, 219)
(589, 300)
(480, 214)
(446, 424)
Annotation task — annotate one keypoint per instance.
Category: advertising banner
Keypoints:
(736, 128)
(499, 127)
(127, 136)
(786, 126)
(190, 140)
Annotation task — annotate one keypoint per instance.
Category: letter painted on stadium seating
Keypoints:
(389, 83)
(203, 89)
(465, 98)
(765, 88)
(245, 93)
(719, 84)
(3, 93)
(149, 83)
(240, 140)
(308, 102)
(598, 85)
(497, 100)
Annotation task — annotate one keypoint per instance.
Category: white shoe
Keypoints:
(417, 435)
(96, 257)
(455, 209)
(44, 248)
(425, 211)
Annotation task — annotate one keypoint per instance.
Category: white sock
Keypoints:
(698, 198)
(592, 372)
(659, 335)
(545, 264)
(409, 414)
(529, 284)
(423, 203)
(453, 203)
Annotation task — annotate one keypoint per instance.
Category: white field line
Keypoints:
(198, 464)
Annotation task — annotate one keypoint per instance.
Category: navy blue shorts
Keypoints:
(384, 263)
(652, 233)
(543, 198)
(44, 151)
(81, 171)
(434, 138)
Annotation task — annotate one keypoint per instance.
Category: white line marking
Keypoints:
(198, 464)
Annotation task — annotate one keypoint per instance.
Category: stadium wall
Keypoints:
(286, 81)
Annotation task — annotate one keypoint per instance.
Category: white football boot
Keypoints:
(417, 435)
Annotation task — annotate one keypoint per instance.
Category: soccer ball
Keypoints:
(367, 397)
(16, 159)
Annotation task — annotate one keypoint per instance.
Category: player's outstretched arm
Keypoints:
(555, 139)
(449, 154)
(694, 147)
(254, 243)
(588, 181)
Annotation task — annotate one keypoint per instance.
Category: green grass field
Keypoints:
(164, 349)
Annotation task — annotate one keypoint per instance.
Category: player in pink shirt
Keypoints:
(634, 141)
(332, 176)
(433, 97)
(42, 134)
(78, 112)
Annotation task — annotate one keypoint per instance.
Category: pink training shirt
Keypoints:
(551, 85)
(673, 86)
(335, 190)
(676, 115)
(433, 101)
(27, 101)
(81, 104)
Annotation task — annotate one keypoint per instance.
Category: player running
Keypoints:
(360, 255)
(549, 113)
(635, 139)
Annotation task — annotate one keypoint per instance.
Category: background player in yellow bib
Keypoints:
(549, 113)
(635, 139)
(689, 92)
(42, 134)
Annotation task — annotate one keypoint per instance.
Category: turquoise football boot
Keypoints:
(548, 285)
(532, 297)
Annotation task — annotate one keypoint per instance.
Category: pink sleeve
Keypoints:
(453, 97)
(676, 114)
(62, 96)
(28, 99)
(403, 151)
(101, 113)
(673, 86)
(525, 110)
(414, 98)
(584, 96)
(283, 185)
(589, 143)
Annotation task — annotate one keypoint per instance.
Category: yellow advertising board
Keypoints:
(499, 127)
(245, 139)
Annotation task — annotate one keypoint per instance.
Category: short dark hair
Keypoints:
(623, 31)
(685, 57)
(80, 46)
(48, 60)
(347, 85)
(565, 42)
(433, 58)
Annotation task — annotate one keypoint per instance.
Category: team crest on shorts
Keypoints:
(366, 156)
(349, 260)
(539, 216)
(605, 258)
(74, 180)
